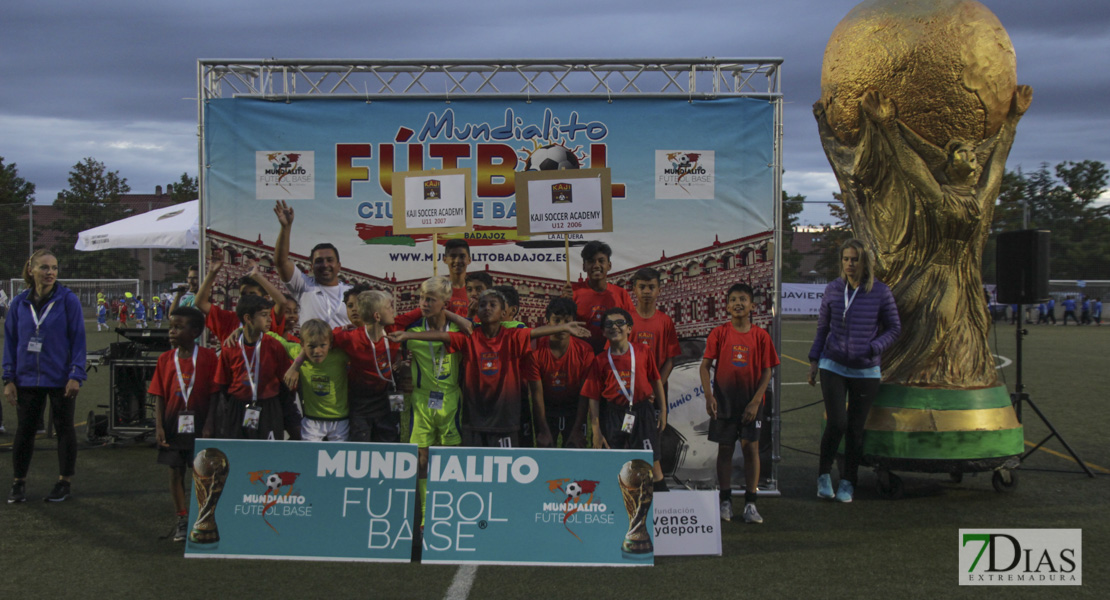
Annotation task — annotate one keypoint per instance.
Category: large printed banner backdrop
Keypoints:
(304, 500)
(534, 506)
(682, 172)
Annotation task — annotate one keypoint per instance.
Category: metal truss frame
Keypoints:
(692, 79)
(684, 78)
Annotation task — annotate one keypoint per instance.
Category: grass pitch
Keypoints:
(105, 541)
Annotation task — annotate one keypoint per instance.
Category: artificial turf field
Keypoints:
(104, 542)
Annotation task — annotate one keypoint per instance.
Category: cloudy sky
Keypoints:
(116, 79)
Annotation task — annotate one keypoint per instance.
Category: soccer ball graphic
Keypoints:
(273, 482)
(574, 490)
(552, 157)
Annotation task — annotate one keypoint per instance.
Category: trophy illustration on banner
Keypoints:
(210, 470)
(636, 487)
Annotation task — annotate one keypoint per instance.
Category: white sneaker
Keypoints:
(726, 510)
(751, 515)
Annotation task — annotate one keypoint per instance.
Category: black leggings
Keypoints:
(848, 424)
(29, 406)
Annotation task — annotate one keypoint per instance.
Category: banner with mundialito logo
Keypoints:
(302, 500)
(539, 507)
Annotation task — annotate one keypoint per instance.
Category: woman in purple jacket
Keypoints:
(857, 322)
(44, 358)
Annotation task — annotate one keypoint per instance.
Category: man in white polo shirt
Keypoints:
(321, 295)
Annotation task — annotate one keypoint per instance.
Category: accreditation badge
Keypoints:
(34, 345)
(435, 400)
(187, 423)
(629, 421)
(396, 402)
(251, 417)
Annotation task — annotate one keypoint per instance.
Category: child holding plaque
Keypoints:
(180, 389)
(491, 392)
(745, 355)
(621, 387)
(251, 366)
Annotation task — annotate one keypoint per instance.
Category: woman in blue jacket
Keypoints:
(857, 322)
(44, 358)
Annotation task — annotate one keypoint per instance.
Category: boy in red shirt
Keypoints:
(597, 295)
(562, 363)
(651, 327)
(745, 355)
(251, 367)
(491, 390)
(222, 322)
(373, 401)
(180, 390)
(456, 254)
(620, 388)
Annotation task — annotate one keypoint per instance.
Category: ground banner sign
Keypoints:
(539, 507)
(302, 500)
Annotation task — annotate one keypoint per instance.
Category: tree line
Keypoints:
(92, 198)
(1063, 199)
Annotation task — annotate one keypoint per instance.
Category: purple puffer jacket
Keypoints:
(856, 340)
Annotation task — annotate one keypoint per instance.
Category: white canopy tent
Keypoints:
(173, 227)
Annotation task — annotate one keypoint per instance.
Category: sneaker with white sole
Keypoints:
(845, 491)
(824, 487)
(751, 515)
(60, 493)
(19, 492)
(182, 530)
(726, 510)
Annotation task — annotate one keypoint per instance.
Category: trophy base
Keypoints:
(204, 538)
(637, 548)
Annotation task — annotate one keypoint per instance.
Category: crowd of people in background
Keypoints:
(1080, 308)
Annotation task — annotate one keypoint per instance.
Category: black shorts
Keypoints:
(562, 424)
(645, 431)
(178, 459)
(491, 439)
(527, 432)
(227, 420)
(385, 428)
(368, 406)
(727, 431)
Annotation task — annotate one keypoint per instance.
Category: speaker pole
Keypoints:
(1020, 398)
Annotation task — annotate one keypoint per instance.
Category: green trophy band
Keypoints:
(636, 486)
(210, 470)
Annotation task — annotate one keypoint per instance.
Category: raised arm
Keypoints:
(420, 336)
(284, 266)
(271, 290)
(991, 180)
(882, 114)
(575, 328)
(204, 292)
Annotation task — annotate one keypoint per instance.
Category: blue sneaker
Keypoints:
(845, 491)
(824, 487)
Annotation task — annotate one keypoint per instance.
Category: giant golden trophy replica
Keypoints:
(636, 487)
(919, 105)
(210, 469)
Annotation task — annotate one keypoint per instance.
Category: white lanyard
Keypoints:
(848, 301)
(35, 315)
(187, 391)
(252, 365)
(389, 358)
(437, 358)
(620, 382)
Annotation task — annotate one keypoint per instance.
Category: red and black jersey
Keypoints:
(658, 334)
(164, 383)
(601, 384)
(592, 304)
(273, 363)
(562, 377)
(491, 388)
(363, 375)
(741, 358)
